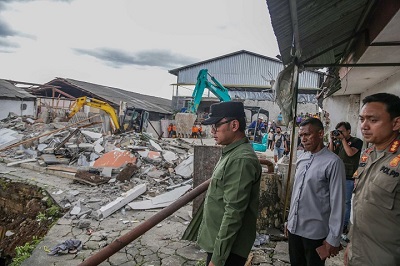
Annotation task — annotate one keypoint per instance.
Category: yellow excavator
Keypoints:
(81, 101)
(134, 119)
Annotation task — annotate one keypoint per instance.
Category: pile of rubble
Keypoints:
(128, 166)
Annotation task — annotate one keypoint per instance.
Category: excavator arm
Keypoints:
(202, 83)
(80, 102)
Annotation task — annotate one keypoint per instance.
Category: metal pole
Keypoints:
(124, 240)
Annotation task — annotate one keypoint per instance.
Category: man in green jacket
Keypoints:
(228, 228)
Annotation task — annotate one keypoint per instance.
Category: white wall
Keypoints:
(389, 85)
(343, 108)
(14, 106)
(347, 108)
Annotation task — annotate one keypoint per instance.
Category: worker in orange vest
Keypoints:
(195, 131)
(200, 130)
(170, 129)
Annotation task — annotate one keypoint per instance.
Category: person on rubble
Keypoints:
(375, 230)
(228, 227)
(316, 214)
(278, 144)
(270, 138)
(200, 130)
(258, 126)
(170, 130)
(286, 137)
(195, 131)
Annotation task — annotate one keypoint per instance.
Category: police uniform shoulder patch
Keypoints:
(364, 158)
(394, 146)
(395, 161)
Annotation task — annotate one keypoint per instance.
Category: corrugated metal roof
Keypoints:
(115, 95)
(176, 70)
(8, 90)
(242, 70)
(322, 24)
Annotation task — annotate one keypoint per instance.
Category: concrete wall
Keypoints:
(390, 85)
(344, 108)
(14, 106)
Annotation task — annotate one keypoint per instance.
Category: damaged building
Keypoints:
(58, 95)
(15, 100)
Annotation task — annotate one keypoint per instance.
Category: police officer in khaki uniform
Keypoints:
(375, 231)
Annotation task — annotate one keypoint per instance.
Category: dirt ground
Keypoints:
(23, 211)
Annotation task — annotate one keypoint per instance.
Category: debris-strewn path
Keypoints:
(159, 246)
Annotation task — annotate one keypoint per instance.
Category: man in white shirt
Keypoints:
(317, 205)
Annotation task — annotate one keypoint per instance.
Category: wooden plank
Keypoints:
(63, 168)
(22, 161)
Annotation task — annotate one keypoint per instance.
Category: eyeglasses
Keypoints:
(214, 127)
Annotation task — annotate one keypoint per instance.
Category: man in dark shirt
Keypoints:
(348, 148)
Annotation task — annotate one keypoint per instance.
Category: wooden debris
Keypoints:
(88, 178)
(22, 161)
(126, 173)
(63, 168)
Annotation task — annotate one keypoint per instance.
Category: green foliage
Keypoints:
(201, 263)
(24, 252)
(4, 184)
(41, 217)
(53, 211)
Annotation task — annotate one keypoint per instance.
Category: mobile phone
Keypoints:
(322, 252)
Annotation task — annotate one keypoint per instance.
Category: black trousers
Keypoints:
(302, 251)
(232, 260)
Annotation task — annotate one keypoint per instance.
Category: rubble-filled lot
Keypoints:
(107, 185)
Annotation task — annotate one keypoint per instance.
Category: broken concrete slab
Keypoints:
(115, 159)
(169, 156)
(147, 205)
(185, 168)
(155, 173)
(107, 172)
(82, 161)
(91, 134)
(172, 195)
(8, 137)
(97, 147)
(49, 159)
(143, 153)
(120, 202)
(75, 210)
(160, 201)
(155, 145)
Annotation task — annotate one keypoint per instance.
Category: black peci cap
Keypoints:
(224, 109)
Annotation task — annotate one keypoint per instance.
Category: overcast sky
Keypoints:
(127, 44)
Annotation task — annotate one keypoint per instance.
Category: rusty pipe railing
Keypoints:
(142, 228)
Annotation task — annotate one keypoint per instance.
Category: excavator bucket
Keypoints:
(184, 123)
